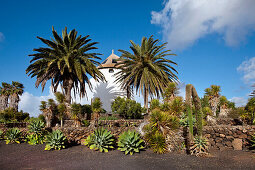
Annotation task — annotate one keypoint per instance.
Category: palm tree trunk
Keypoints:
(5, 102)
(14, 101)
(146, 99)
(68, 84)
(61, 122)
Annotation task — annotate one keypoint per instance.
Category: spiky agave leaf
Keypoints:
(199, 146)
(13, 136)
(101, 139)
(55, 140)
(130, 142)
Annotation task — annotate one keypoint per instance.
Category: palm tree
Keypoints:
(170, 92)
(62, 108)
(146, 69)
(5, 91)
(67, 61)
(48, 108)
(76, 111)
(17, 89)
(213, 94)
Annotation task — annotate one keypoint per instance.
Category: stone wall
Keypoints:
(229, 137)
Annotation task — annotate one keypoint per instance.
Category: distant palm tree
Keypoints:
(5, 91)
(170, 92)
(48, 109)
(16, 90)
(146, 69)
(213, 94)
(62, 107)
(67, 61)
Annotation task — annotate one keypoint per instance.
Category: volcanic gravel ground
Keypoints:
(24, 156)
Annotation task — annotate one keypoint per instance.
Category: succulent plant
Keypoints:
(55, 140)
(36, 126)
(199, 146)
(101, 139)
(13, 136)
(36, 132)
(130, 142)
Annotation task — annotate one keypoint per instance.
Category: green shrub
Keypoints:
(157, 142)
(101, 139)
(185, 122)
(86, 123)
(108, 118)
(130, 142)
(42, 118)
(127, 108)
(252, 141)
(13, 136)
(36, 135)
(199, 146)
(154, 104)
(55, 140)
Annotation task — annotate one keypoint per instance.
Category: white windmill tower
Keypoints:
(109, 90)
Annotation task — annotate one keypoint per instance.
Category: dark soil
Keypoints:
(24, 156)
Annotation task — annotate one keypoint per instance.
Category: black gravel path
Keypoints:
(24, 156)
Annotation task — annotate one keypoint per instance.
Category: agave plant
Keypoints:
(199, 146)
(101, 139)
(55, 140)
(13, 136)
(130, 142)
(252, 141)
(1, 134)
(36, 132)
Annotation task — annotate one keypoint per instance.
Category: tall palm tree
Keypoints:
(146, 69)
(213, 94)
(5, 91)
(17, 89)
(67, 61)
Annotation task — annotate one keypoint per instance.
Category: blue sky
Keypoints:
(212, 47)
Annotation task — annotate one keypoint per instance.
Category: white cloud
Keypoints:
(239, 101)
(247, 68)
(1, 36)
(185, 21)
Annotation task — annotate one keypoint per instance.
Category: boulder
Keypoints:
(237, 144)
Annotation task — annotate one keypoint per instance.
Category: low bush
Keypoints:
(55, 140)
(157, 142)
(85, 123)
(101, 139)
(1, 134)
(127, 108)
(130, 142)
(13, 136)
(108, 118)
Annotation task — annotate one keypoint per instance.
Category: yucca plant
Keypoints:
(252, 141)
(55, 140)
(36, 135)
(199, 146)
(130, 142)
(101, 139)
(157, 142)
(13, 136)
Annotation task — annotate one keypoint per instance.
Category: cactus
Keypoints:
(191, 92)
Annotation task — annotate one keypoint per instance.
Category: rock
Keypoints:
(243, 136)
(222, 135)
(237, 144)
(228, 143)
(229, 137)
